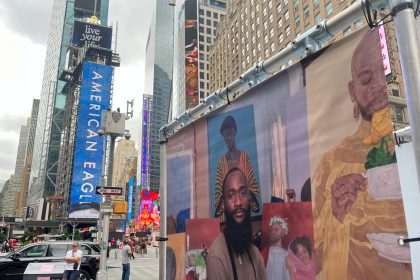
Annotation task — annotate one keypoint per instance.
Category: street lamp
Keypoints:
(113, 125)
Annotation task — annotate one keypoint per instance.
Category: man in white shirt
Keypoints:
(73, 259)
(126, 254)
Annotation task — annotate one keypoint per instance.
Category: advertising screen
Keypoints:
(88, 34)
(89, 146)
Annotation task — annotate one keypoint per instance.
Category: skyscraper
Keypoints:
(23, 189)
(50, 118)
(158, 78)
(10, 196)
(194, 33)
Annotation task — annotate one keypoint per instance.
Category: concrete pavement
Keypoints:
(146, 267)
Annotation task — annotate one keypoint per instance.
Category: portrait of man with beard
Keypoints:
(232, 254)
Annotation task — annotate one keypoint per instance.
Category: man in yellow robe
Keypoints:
(344, 212)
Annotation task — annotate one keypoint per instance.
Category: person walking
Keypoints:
(126, 254)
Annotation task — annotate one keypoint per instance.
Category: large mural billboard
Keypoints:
(191, 54)
(89, 146)
(300, 172)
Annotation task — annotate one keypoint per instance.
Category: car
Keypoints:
(13, 265)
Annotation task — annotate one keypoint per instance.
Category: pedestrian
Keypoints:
(126, 254)
(142, 246)
(132, 243)
(73, 259)
(113, 243)
(7, 246)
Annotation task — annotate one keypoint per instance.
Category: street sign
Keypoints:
(108, 190)
(106, 208)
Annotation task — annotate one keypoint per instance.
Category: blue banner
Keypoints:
(130, 198)
(89, 147)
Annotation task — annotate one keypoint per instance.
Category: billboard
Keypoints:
(145, 143)
(304, 167)
(88, 34)
(149, 218)
(89, 146)
(130, 198)
(191, 54)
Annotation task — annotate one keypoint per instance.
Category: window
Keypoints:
(316, 4)
(296, 6)
(271, 18)
(272, 47)
(209, 13)
(306, 12)
(265, 11)
(201, 12)
(288, 31)
(317, 18)
(208, 30)
(34, 251)
(358, 24)
(258, 20)
(208, 22)
(270, 4)
(271, 32)
(307, 26)
(286, 15)
(278, 8)
(259, 47)
(215, 23)
(286, 2)
(86, 249)
(215, 15)
(201, 29)
(201, 75)
(280, 23)
(328, 9)
(201, 66)
(201, 20)
(209, 40)
(267, 52)
(258, 34)
(397, 113)
(297, 22)
(254, 52)
(266, 39)
(57, 250)
(281, 38)
(395, 90)
(265, 25)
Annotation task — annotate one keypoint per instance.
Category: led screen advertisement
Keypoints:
(309, 161)
(191, 54)
(130, 198)
(88, 34)
(89, 146)
(149, 218)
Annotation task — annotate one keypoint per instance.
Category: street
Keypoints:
(146, 267)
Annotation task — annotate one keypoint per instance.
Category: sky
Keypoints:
(24, 27)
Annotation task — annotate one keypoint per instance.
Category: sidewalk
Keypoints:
(146, 267)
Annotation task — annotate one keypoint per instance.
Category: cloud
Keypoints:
(29, 18)
(134, 19)
(8, 151)
(10, 123)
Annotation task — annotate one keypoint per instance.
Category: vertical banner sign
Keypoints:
(130, 197)
(88, 155)
(145, 149)
(191, 54)
(384, 50)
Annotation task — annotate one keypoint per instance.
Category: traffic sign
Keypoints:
(106, 208)
(108, 190)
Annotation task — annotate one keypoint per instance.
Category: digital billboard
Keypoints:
(89, 146)
(145, 143)
(130, 198)
(88, 34)
(191, 54)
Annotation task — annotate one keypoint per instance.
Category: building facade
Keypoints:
(23, 189)
(53, 96)
(125, 150)
(255, 30)
(158, 79)
(11, 194)
(207, 14)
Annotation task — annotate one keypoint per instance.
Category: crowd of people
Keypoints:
(137, 245)
(8, 245)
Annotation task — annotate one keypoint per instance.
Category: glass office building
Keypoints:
(50, 116)
(158, 79)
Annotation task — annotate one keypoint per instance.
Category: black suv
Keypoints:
(13, 265)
